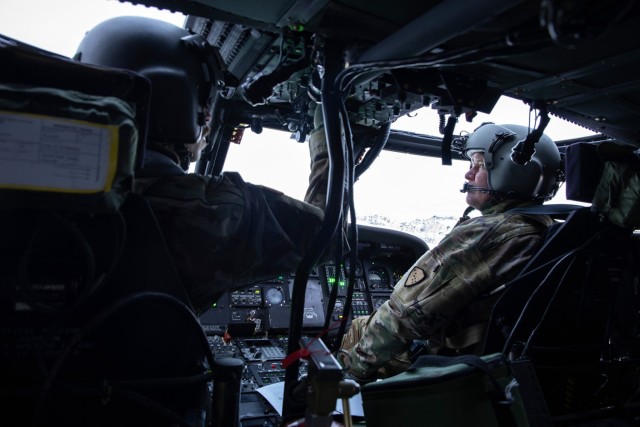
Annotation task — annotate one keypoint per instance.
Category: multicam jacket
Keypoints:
(432, 300)
(223, 232)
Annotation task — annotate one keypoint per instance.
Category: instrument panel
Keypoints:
(252, 323)
(264, 308)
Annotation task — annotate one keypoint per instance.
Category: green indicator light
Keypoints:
(296, 27)
(331, 280)
(342, 283)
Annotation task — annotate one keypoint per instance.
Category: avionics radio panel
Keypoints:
(265, 308)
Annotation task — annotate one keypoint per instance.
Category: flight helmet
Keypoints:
(185, 72)
(536, 179)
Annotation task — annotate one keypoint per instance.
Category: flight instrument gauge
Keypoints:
(274, 296)
(379, 279)
(347, 267)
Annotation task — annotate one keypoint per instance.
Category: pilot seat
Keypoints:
(569, 322)
(561, 347)
(95, 326)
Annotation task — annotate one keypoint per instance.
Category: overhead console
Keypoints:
(273, 77)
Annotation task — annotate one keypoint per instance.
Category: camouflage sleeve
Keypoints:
(418, 305)
(278, 229)
(468, 262)
(225, 233)
(373, 343)
(318, 177)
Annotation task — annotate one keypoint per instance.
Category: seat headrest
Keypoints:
(607, 175)
(583, 168)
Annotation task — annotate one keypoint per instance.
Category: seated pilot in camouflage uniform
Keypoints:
(223, 233)
(444, 298)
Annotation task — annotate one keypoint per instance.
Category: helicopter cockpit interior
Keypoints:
(96, 328)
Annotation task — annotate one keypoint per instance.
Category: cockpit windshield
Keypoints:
(415, 194)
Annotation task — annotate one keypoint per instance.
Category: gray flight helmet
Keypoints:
(538, 179)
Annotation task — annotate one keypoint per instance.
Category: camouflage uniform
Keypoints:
(224, 233)
(440, 299)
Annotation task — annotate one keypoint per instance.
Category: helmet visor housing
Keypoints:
(183, 69)
(537, 179)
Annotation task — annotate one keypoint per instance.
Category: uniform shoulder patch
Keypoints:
(416, 276)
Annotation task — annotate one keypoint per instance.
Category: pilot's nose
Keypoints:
(470, 174)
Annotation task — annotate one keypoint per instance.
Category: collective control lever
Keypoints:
(226, 391)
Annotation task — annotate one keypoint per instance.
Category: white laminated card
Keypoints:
(56, 154)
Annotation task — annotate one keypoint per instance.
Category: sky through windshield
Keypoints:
(397, 185)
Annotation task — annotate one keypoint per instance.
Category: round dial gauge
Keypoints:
(378, 278)
(274, 296)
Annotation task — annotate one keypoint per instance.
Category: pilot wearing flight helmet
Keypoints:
(225, 233)
(222, 232)
(444, 298)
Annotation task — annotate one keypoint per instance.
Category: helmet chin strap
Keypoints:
(466, 188)
(497, 195)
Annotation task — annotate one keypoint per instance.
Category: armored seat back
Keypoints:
(567, 321)
(96, 327)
